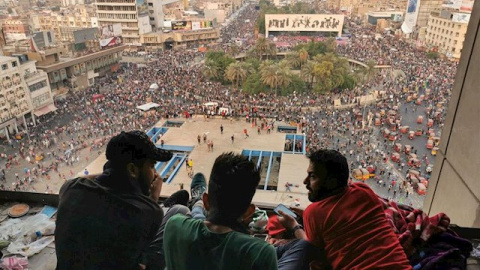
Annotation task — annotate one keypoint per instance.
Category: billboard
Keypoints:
(108, 42)
(111, 30)
(397, 17)
(85, 34)
(466, 6)
(304, 22)
(455, 4)
(202, 25)
(182, 25)
(461, 17)
(411, 16)
(142, 8)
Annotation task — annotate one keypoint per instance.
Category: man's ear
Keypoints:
(132, 170)
(205, 201)
(249, 212)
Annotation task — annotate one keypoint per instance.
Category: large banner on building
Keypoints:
(461, 17)
(411, 16)
(467, 6)
(111, 30)
(202, 25)
(304, 22)
(181, 25)
(110, 42)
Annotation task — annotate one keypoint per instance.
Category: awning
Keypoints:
(45, 110)
(148, 106)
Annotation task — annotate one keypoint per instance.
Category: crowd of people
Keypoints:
(81, 123)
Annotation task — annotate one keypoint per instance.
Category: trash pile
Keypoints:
(21, 238)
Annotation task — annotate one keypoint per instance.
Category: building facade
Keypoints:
(80, 72)
(133, 17)
(425, 9)
(446, 34)
(14, 97)
(64, 25)
(16, 29)
(179, 39)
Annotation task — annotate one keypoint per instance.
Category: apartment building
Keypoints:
(14, 96)
(65, 23)
(446, 32)
(131, 14)
(16, 29)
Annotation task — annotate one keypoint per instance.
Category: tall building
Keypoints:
(132, 14)
(427, 7)
(16, 29)
(14, 98)
(446, 32)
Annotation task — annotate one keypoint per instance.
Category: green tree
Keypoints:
(296, 84)
(369, 72)
(307, 72)
(262, 47)
(432, 55)
(211, 71)
(253, 84)
(293, 58)
(233, 50)
(215, 65)
(237, 72)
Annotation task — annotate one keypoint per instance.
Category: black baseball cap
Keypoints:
(134, 145)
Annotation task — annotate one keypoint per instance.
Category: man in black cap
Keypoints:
(112, 220)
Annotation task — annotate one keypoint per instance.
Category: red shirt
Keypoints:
(354, 232)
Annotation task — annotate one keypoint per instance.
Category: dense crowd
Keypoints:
(182, 90)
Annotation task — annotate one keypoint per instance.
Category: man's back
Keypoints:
(99, 227)
(189, 245)
(354, 232)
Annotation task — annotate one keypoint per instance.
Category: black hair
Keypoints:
(233, 182)
(335, 163)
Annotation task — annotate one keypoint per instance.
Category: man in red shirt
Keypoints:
(346, 221)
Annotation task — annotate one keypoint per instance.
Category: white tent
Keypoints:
(154, 86)
(148, 106)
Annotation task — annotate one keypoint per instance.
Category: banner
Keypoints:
(411, 16)
(182, 25)
(304, 22)
(111, 30)
(110, 41)
(202, 25)
(461, 17)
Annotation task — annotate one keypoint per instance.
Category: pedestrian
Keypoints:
(199, 139)
(221, 129)
(233, 138)
(85, 172)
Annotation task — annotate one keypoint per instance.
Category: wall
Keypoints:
(455, 188)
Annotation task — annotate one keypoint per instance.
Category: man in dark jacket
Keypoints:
(111, 221)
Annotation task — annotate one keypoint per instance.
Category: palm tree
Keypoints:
(262, 46)
(303, 56)
(370, 70)
(237, 72)
(307, 72)
(293, 59)
(272, 50)
(269, 75)
(284, 77)
(211, 71)
(233, 50)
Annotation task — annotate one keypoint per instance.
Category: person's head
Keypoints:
(232, 184)
(327, 173)
(135, 154)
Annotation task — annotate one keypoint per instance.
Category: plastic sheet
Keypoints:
(28, 239)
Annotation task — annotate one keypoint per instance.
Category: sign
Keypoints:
(397, 17)
(111, 30)
(466, 6)
(142, 7)
(411, 16)
(461, 17)
(108, 42)
(202, 25)
(455, 4)
(304, 22)
(181, 25)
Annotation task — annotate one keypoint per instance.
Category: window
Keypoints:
(453, 49)
(14, 63)
(4, 67)
(34, 87)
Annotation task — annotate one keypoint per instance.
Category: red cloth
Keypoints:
(274, 227)
(353, 230)
(413, 225)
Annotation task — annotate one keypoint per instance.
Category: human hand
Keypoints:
(156, 187)
(298, 211)
(287, 221)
